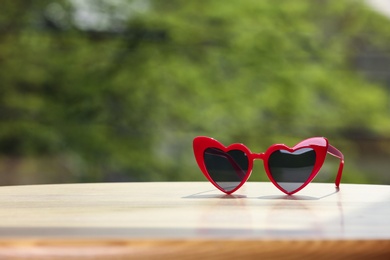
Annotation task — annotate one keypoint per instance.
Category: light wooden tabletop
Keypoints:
(192, 219)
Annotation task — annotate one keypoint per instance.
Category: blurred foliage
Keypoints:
(117, 90)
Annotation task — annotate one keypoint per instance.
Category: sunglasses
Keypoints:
(289, 169)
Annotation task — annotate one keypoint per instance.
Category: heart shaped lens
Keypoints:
(227, 169)
(292, 169)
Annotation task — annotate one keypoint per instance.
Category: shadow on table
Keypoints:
(298, 197)
(202, 195)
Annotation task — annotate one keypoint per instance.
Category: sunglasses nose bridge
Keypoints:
(258, 156)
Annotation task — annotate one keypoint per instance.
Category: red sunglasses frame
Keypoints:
(320, 145)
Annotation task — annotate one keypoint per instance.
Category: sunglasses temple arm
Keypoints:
(336, 153)
(236, 167)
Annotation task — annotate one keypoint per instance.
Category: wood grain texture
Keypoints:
(188, 220)
(194, 249)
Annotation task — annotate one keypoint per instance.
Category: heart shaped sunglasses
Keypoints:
(289, 169)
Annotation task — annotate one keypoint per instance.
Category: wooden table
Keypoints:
(186, 220)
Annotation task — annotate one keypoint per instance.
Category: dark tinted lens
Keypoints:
(291, 170)
(226, 169)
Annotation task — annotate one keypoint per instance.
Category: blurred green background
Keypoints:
(104, 90)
